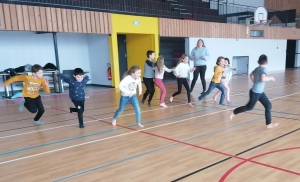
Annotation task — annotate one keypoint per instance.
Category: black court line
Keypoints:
(247, 150)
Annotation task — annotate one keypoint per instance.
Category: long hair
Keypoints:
(198, 42)
(182, 58)
(132, 70)
(160, 64)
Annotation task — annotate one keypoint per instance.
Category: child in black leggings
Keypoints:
(76, 92)
(181, 72)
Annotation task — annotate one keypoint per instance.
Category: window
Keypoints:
(257, 33)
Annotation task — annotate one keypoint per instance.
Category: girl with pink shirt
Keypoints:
(160, 69)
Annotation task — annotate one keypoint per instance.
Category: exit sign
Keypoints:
(136, 22)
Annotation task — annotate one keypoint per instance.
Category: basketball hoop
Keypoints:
(265, 22)
(260, 18)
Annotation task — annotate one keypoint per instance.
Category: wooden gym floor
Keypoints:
(177, 144)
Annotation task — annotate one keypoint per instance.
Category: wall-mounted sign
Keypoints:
(136, 22)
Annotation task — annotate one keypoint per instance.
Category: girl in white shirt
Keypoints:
(128, 85)
(227, 74)
(181, 72)
(160, 69)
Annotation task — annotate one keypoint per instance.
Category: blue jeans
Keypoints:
(212, 86)
(134, 102)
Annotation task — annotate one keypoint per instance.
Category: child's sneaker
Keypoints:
(19, 94)
(21, 107)
(38, 122)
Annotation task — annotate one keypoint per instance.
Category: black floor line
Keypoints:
(223, 160)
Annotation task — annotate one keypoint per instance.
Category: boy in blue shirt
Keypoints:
(259, 77)
(76, 92)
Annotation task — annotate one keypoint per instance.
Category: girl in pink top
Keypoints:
(160, 69)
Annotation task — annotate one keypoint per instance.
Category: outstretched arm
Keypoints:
(64, 78)
(18, 78)
(266, 78)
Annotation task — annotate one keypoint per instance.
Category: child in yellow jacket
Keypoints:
(30, 92)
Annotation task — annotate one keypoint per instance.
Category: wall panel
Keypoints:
(280, 5)
(35, 18)
(186, 28)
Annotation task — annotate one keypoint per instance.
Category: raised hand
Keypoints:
(46, 82)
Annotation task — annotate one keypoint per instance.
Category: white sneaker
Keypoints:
(21, 107)
(38, 122)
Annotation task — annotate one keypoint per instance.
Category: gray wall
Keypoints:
(99, 56)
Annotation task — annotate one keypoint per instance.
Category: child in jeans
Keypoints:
(76, 92)
(227, 74)
(131, 80)
(216, 81)
(32, 85)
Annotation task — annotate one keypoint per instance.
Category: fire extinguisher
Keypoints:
(108, 72)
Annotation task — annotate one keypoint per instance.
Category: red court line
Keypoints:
(192, 145)
(257, 156)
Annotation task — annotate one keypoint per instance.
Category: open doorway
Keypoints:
(122, 52)
(241, 63)
(171, 48)
(290, 54)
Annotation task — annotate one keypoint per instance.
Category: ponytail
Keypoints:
(181, 58)
(132, 70)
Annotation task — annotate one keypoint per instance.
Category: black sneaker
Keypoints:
(143, 101)
(149, 104)
(81, 126)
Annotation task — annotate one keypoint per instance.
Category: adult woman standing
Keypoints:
(199, 55)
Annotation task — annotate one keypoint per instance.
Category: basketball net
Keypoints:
(264, 22)
(260, 23)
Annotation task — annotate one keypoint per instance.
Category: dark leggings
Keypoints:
(180, 82)
(149, 83)
(34, 105)
(199, 70)
(254, 97)
(79, 109)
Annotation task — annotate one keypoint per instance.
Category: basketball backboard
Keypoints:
(260, 18)
(260, 15)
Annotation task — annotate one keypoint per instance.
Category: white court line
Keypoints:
(36, 131)
(128, 133)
